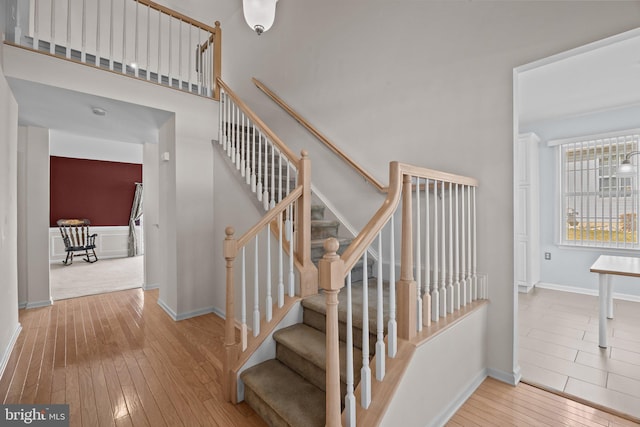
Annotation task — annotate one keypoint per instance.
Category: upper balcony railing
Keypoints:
(138, 38)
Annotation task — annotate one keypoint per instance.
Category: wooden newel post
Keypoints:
(217, 61)
(406, 286)
(230, 250)
(331, 271)
(308, 274)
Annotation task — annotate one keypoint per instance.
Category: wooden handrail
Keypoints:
(260, 124)
(366, 175)
(396, 171)
(269, 217)
(180, 16)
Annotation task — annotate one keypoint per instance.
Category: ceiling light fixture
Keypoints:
(99, 111)
(259, 14)
(626, 169)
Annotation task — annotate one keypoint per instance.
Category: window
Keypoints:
(598, 208)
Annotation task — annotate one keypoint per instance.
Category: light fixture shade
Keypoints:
(259, 14)
(626, 169)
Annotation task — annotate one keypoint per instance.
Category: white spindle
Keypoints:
(463, 250)
(289, 228)
(256, 276)
(246, 170)
(68, 47)
(426, 296)
(350, 399)
(269, 302)
(256, 295)
(83, 51)
(111, 35)
(469, 242)
(435, 293)
(232, 112)
(169, 56)
(450, 295)
(242, 149)
(52, 44)
(220, 120)
(279, 176)
(272, 202)
(392, 327)
(136, 62)
(189, 67)
(36, 24)
(259, 174)
(180, 53)
(252, 179)
(159, 72)
(380, 348)
(443, 249)
(475, 253)
(124, 36)
(280, 263)
(238, 138)
(98, 19)
(365, 372)
(456, 270)
(265, 195)
(148, 69)
(243, 305)
(418, 258)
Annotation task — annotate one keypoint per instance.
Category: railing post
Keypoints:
(308, 275)
(331, 272)
(230, 250)
(406, 286)
(217, 60)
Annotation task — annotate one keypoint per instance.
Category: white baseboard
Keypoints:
(525, 289)
(182, 316)
(22, 305)
(7, 351)
(38, 304)
(150, 286)
(457, 403)
(512, 378)
(583, 291)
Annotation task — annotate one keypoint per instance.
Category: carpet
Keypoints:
(106, 275)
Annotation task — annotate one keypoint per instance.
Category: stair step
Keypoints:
(317, 212)
(303, 349)
(323, 229)
(282, 397)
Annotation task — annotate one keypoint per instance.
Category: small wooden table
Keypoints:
(606, 266)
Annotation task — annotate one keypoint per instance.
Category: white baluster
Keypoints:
(68, 51)
(111, 35)
(238, 138)
(83, 51)
(52, 44)
(456, 271)
(443, 265)
(36, 24)
(392, 326)
(148, 70)
(136, 40)
(252, 180)
(247, 153)
(435, 293)
(98, 19)
(256, 276)
(289, 227)
(365, 372)
(269, 301)
(279, 176)
(469, 242)
(169, 56)
(189, 55)
(463, 250)
(243, 148)
(220, 114)
(232, 112)
(265, 195)
(259, 174)
(256, 295)
(159, 74)
(243, 305)
(280, 263)
(180, 53)
(272, 202)
(450, 295)
(426, 296)
(124, 36)
(380, 348)
(350, 399)
(475, 253)
(418, 258)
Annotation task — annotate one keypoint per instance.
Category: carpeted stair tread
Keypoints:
(303, 349)
(284, 397)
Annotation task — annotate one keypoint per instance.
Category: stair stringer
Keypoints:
(267, 348)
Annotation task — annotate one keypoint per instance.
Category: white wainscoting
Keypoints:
(111, 242)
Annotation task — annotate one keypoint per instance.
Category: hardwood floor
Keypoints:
(558, 348)
(118, 360)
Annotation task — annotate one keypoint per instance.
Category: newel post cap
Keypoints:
(229, 246)
(331, 267)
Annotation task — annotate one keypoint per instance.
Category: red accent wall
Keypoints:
(98, 190)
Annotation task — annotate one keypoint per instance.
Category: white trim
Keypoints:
(167, 309)
(151, 286)
(585, 291)
(219, 313)
(38, 304)
(22, 305)
(7, 352)
(459, 400)
(512, 378)
(177, 317)
(592, 138)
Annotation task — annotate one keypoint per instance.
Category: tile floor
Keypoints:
(558, 348)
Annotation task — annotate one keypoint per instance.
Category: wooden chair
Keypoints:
(76, 237)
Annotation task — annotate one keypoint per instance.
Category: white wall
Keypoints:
(428, 83)
(193, 125)
(151, 221)
(9, 325)
(65, 144)
(33, 221)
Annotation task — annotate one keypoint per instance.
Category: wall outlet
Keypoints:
(547, 255)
